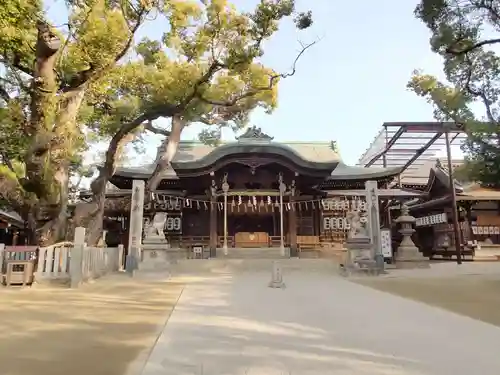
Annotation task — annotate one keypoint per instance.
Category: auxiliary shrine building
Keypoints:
(254, 187)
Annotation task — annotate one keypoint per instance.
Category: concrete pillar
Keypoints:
(2, 250)
(76, 263)
(372, 205)
(135, 232)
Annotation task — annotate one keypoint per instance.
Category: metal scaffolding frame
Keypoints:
(409, 144)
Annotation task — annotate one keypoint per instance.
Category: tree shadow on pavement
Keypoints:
(98, 329)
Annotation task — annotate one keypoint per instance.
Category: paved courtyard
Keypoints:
(319, 324)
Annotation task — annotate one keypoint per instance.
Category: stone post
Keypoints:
(135, 233)
(282, 188)
(276, 277)
(408, 255)
(225, 189)
(2, 249)
(77, 258)
(371, 191)
(121, 252)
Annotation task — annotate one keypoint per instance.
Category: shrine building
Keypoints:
(261, 193)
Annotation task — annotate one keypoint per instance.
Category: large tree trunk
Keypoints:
(90, 215)
(52, 131)
(169, 150)
(39, 169)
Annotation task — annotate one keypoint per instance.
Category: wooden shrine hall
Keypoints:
(259, 192)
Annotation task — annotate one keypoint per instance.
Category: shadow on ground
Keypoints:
(247, 338)
(99, 329)
(475, 296)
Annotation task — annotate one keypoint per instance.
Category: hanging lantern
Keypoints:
(261, 203)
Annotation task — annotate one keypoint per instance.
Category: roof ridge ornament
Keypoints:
(254, 134)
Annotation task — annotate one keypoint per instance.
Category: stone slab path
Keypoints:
(320, 324)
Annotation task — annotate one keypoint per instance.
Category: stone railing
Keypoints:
(53, 262)
(72, 262)
(77, 263)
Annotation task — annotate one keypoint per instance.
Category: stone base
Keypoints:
(412, 264)
(277, 284)
(154, 259)
(357, 248)
(409, 255)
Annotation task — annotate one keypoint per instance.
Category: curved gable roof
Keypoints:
(271, 148)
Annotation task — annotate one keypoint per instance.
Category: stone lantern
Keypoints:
(408, 255)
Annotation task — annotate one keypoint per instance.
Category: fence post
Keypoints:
(76, 261)
(2, 251)
(121, 251)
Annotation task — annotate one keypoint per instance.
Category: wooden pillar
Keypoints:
(292, 227)
(468, 210)
(213, 226)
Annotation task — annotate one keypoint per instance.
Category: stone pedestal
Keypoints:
(408, 255)
(360, 260)
(277, 277)
(155, 255)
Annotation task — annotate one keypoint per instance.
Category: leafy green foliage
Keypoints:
(206, 68)
(460, 35)
(64, 87)
(38, 123)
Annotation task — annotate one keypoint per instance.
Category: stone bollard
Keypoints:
(277, 277)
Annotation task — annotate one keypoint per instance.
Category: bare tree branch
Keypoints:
(4, 94)
(6, 161)
(155, 130)
(458, 52)
(254, 91)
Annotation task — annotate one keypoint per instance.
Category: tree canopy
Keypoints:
(64, 86)
(463, 34)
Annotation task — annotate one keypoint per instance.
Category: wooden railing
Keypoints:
(189, 241)
(274, 241)
(230, 241)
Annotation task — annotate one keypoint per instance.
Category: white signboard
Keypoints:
(432, 220)
(173, 223)
(343, 205)
(335, 223)
(385, 239)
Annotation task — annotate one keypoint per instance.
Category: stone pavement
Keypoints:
(320, 324)
(99, 328)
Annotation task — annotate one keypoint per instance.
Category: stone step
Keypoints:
(252, 253)
(218, 265)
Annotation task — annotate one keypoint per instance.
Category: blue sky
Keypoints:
(348, 84)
